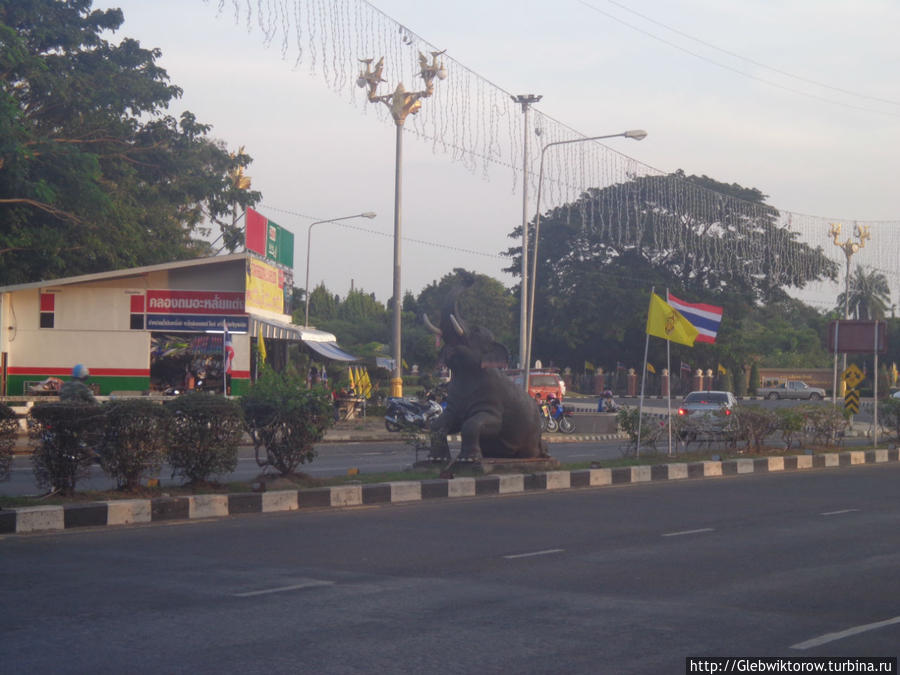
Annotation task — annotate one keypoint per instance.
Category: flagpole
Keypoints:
(224, 358)
(669, 391)
(637, 449)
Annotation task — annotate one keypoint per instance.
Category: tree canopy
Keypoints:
(94, 174)
(706, 241)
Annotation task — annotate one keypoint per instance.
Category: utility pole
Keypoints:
(526, 101)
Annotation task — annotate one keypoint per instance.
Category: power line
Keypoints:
(390, 235)
(749, 60)
(737, 70)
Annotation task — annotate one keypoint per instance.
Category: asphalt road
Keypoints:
(625, 580)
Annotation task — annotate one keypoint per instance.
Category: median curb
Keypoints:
(32, 519)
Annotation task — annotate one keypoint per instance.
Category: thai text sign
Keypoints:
(194, 302)
(265, 286)
(196, 323)
(268, 239)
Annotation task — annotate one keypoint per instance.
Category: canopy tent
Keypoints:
(320, 341)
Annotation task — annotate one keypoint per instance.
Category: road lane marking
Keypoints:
(309, 583)
(548, 551)
(840, 635)
(684, 532)
(838, 513)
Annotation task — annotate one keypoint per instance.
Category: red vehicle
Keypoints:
(541, 382)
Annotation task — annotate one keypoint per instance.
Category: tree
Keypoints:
(708, 241)
(93, 174)
(870, 295)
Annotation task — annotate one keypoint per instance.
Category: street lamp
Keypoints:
(636, 134)
(366, 214)
(401, 103)
(849, 247)
(526, 101)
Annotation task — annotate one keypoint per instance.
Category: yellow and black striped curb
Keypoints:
(163, 509)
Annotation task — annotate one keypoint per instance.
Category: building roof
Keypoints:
(129, 272)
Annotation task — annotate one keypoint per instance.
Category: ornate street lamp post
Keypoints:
(401, 103)
(849, 247)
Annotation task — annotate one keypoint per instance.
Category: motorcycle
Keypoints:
(560, 416)
(548, 422)
(403, 413)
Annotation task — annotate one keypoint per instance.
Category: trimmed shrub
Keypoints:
(206, 431)
(652, 429)
(9, 429)
(285, 419)
(791, 423)
(63, 438)
(826, 424)
(889, 414)
(134, 440)
(754, 423)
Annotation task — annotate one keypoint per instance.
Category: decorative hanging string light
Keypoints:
(477, 124)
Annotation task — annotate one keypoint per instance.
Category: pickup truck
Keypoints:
(792, 389)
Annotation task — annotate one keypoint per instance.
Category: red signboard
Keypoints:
(195, 302)
(857, 337)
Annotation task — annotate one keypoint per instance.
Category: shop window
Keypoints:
(47, 309)
(137, 312)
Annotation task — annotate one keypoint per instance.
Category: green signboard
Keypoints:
(279, 245)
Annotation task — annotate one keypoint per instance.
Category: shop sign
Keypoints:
(265, 286)
(196, 323)
(194, 302)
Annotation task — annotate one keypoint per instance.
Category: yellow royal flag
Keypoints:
(666, 322)
(722, 370)
(261, 345)
(367, 384)
(651, 369)
(588, 366)
(352, 378)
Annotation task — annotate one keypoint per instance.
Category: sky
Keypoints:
(798, 98)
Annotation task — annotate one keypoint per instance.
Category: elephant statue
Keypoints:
(495, 418)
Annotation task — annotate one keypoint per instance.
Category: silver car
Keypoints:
(707, 403)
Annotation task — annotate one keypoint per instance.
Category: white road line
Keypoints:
(856, 630)
(838, 513)
(684, 532)
(549, 551)
(311, 583)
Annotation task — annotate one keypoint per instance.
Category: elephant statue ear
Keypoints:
(496, 356)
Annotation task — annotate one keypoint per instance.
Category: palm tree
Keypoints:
(870, 295)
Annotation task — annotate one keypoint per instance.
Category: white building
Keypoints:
(149, 328)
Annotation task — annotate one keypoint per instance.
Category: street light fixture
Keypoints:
(401, 103)
(636, 134)
(366, 214)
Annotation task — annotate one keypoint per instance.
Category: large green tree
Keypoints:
(94, 174)
(706, 241)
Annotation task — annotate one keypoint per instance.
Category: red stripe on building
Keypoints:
(106, 372)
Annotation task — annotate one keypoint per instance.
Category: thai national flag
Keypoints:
(229, 348)
(705, 318)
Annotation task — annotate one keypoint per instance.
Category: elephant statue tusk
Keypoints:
(430, 326)
(457, 327)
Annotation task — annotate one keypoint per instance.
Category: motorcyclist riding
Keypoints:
(76, 390)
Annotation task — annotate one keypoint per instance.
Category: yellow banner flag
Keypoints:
(722, 370)
(350, 374)
(588, 366)
(666, 322)
(261, 345)
(651, 369)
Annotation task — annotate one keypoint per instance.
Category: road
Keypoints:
(626, 580)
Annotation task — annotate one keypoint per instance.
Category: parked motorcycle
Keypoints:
(403, 413)
(548, 422)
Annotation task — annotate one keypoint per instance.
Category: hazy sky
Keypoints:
(798, 98)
